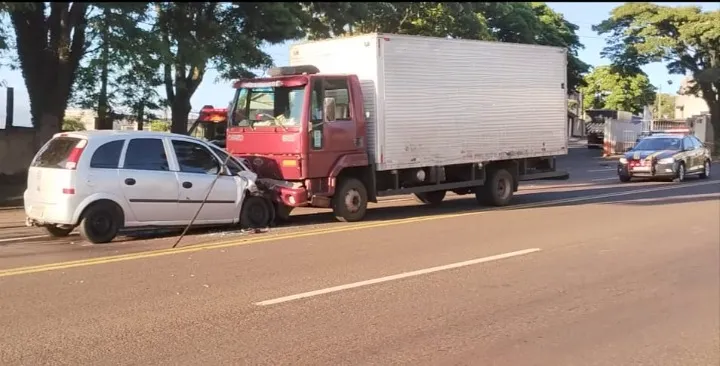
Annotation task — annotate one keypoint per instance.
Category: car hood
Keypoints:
(644, 154)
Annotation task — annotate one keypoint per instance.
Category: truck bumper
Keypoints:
(286, 193)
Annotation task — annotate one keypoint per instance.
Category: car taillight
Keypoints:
(68, 190)
(74, 157)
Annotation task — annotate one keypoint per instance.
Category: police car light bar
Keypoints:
(672, 130)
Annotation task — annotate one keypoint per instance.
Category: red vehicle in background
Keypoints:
(211, 125)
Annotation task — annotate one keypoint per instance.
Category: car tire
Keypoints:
(350, 201)
(706, 170)
(433, 198)
(680, 172)
(100, 223)
(256, 213)
(498, 189)
(58, 232)
(624, 178)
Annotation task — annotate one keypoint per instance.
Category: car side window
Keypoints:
(696, 141)
(107, 156)
(231, 164)
(195, 158)
(688, 144)
(146, 154)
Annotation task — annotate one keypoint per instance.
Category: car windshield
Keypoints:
(269, 106)
(659, 143)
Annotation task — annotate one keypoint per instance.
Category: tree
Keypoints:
(664, 106)
(685, 38)
(531, 23)
(226, 36)
(113, 31)
(50, 41)
(607, 88)
(72, 124)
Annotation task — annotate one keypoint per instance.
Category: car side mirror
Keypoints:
(329, 109)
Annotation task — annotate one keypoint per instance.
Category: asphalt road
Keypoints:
(581, 272)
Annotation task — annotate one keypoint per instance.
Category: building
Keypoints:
(687, 106)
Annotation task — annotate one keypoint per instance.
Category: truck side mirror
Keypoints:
(329, 109)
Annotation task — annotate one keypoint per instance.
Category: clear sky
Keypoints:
(585, 15)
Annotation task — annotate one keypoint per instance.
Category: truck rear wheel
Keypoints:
(498, 189)
(350, 201)
(430, 198)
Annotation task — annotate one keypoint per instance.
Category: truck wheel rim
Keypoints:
(502, 188)
(352, 200)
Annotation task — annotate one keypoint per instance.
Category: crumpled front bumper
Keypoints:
(284, 192)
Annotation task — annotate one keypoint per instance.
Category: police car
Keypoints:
(670, 154)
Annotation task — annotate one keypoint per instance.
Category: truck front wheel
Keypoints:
(498, 189)
(350, 200)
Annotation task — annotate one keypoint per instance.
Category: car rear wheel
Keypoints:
(100, 223)
(58, 232)
(706, 170)
(624, 178)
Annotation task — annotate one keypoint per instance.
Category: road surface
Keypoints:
(605, 274)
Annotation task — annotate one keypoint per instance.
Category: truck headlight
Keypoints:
(623, 161)
(666, 161)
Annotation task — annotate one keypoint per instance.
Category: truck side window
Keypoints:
(316, 107)
(338, 88)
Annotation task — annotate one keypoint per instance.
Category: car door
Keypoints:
(691, 151)
(197, 169)
(149, 186)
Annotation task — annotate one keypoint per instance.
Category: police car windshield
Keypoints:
(659, 143)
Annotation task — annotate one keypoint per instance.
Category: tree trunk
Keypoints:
(715, 121)
(140, 116)
(180, 111)
(103, 122)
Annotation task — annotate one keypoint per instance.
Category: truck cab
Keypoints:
(210, 125)
(299, 129)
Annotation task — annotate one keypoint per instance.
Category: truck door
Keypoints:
(330, 136)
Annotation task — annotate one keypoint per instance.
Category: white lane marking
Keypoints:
(396, 277)
(600, 170)
(602, 179)
(24, 238)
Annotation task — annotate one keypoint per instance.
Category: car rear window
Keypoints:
(55, 153)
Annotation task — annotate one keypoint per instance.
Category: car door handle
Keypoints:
(187, 185)
(130, 181)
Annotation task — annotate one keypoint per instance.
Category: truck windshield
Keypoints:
(269, 106)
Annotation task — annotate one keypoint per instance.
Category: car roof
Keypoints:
(105, 134)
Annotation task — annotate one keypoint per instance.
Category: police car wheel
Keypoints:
(680, 172)
(706, 170)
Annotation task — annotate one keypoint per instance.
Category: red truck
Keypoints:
(393, 115)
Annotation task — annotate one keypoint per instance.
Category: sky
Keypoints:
(585, 15)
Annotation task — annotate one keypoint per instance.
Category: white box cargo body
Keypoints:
(435, 101)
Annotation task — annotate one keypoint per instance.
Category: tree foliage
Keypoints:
(685, 38)
(664, 106)
(72, 124)
(530, 23)
(111, 61)
(193, 37)
(607, 88)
